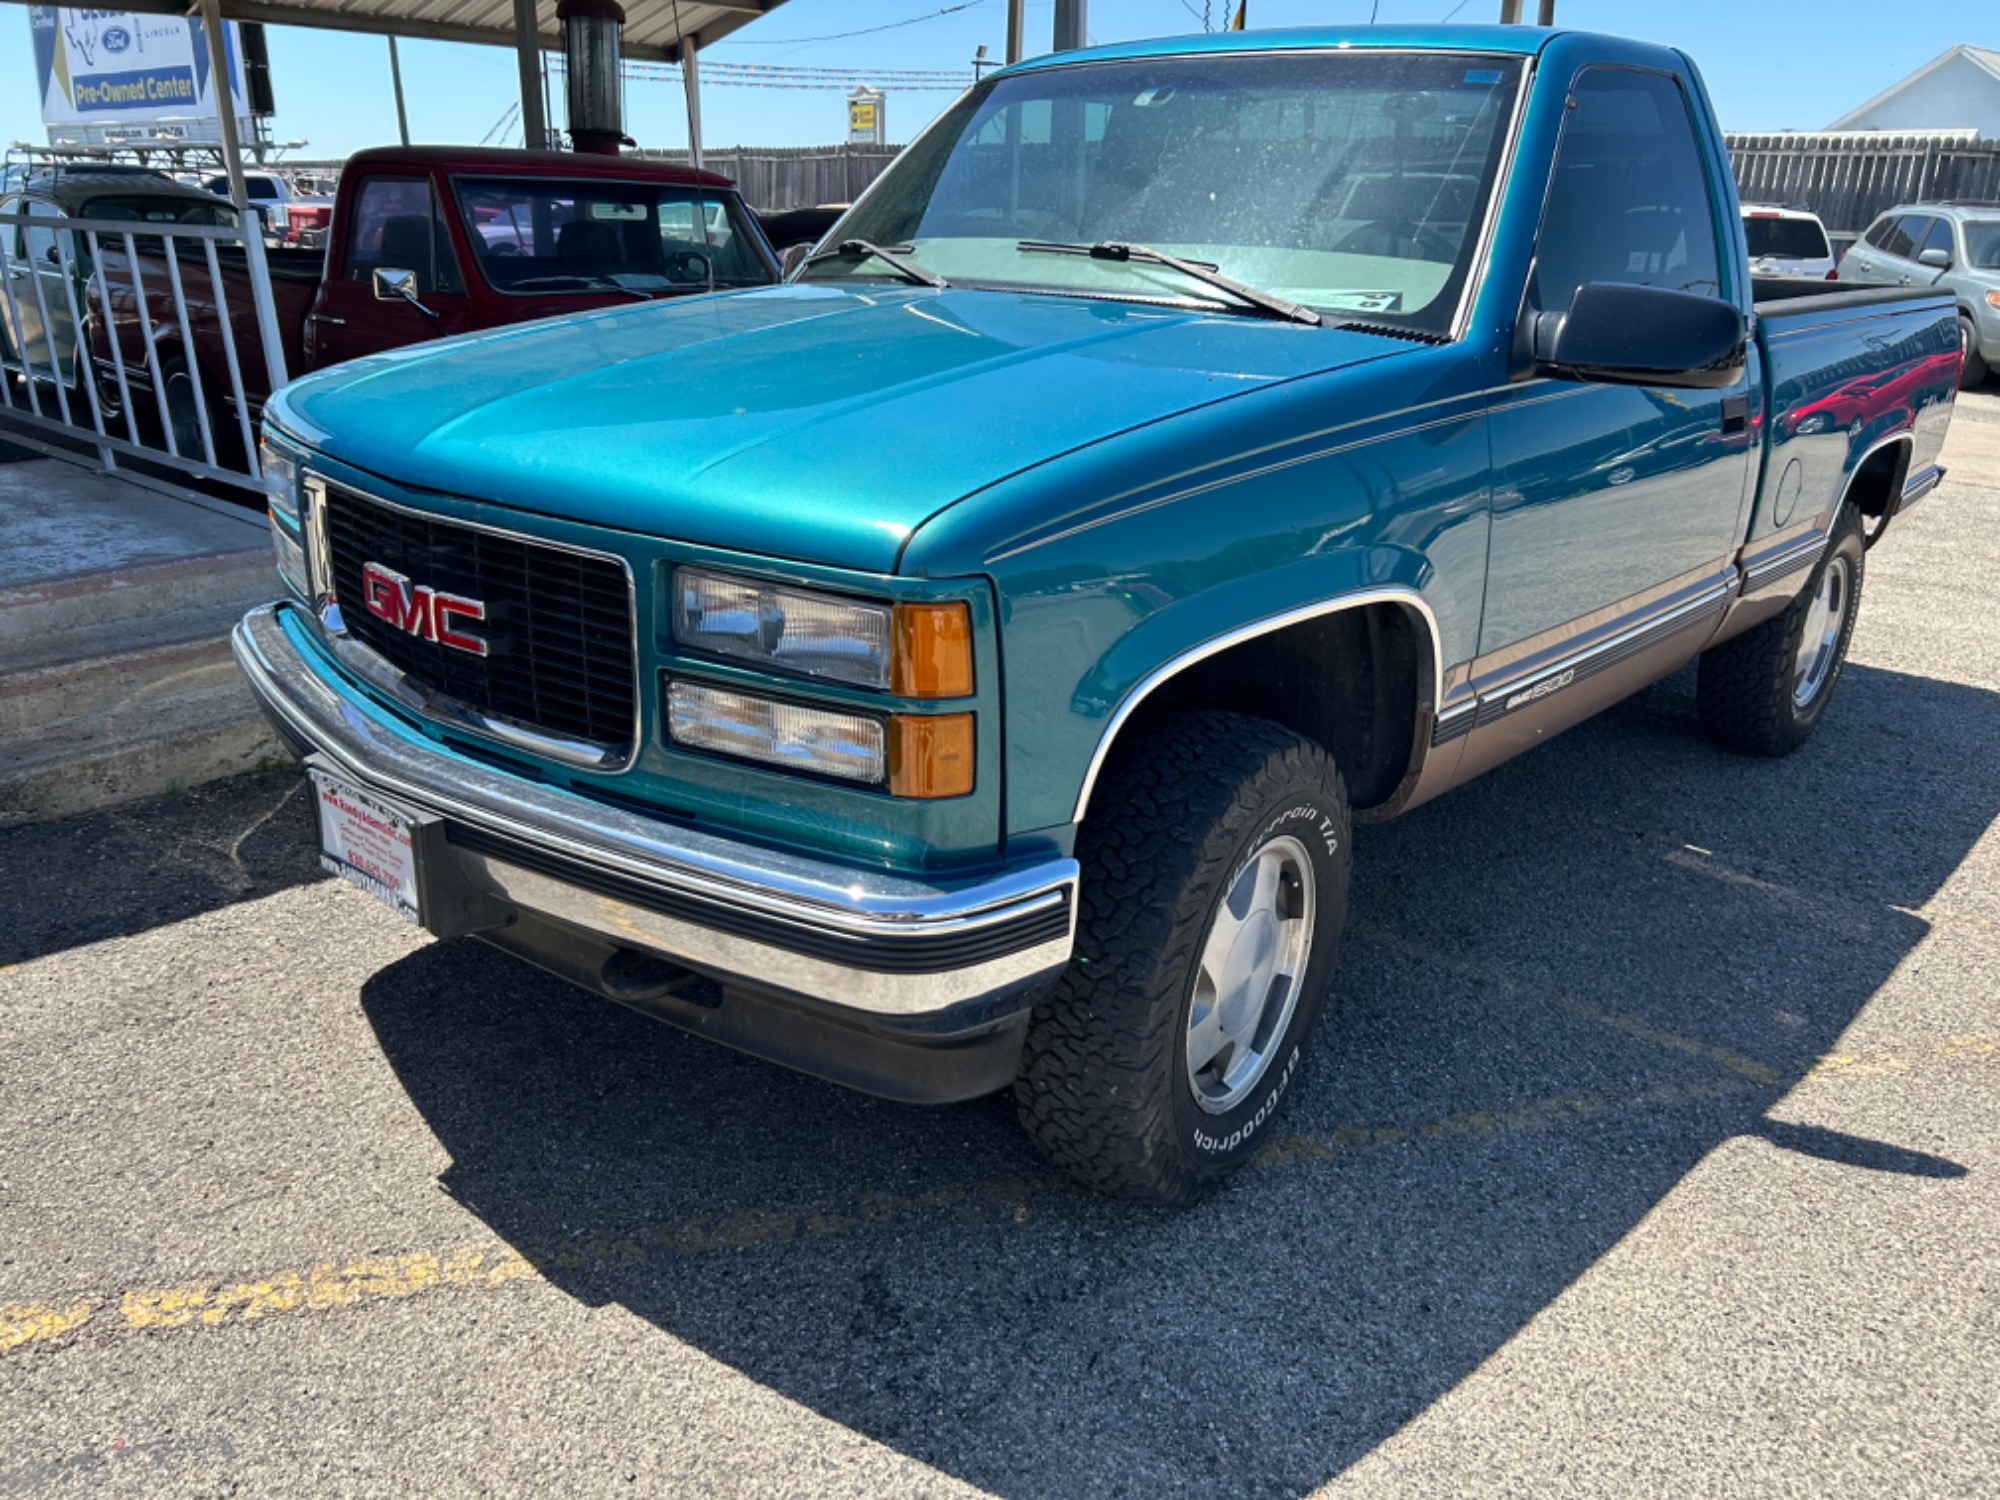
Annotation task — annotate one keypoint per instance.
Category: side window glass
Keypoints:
(41, 238)
(1939, 238)
(1628, 201)
(1878, 232)
(1896, 240)
(396, 226)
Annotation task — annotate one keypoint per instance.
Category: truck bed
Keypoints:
(1835, 392)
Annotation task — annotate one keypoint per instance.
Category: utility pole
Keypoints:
(1546, 13)
(1510, 12)
(396, 78)
(1017, 29)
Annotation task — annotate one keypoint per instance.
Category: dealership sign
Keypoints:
(115, 68)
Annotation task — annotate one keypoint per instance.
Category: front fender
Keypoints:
(1115, 562)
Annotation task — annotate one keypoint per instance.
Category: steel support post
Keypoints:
(1071, 25)
(691, 82)
(528, 54)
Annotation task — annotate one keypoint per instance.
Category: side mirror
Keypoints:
(393, 285)
(1937, 260)
(1641, 335)
(790, 259)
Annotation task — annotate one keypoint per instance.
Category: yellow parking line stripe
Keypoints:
(1735, 1062)
(332, 1285)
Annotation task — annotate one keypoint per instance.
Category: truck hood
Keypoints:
(816, 422)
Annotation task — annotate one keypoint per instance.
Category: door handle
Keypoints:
(1735, 414)
(329, 320)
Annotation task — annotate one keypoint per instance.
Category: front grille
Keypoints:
(558, 624)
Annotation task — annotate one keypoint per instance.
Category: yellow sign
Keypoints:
(861, 116)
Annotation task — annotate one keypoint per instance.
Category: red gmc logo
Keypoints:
(421, 610)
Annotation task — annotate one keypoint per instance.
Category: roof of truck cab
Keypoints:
(570, 164)
(1520, 41)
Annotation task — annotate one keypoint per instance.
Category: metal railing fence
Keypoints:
(1848, 177)
(62, 296)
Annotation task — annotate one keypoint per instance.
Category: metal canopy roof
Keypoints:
(654, 29)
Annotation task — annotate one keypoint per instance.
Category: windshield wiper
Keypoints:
(581, 283)
(1264, 302)
(909, 270)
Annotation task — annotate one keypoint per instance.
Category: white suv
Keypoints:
(1787, 242)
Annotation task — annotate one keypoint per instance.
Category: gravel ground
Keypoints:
(1650, 1148)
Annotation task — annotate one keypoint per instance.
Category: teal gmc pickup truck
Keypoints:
(958, 667)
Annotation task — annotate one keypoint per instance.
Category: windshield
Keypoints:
(1982, 242)
(1354, 182)
(557, 235)
(1784, 239)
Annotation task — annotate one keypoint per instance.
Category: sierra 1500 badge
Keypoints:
(425, 612)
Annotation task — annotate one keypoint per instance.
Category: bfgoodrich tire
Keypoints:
(1765, 691)
(1214, 891)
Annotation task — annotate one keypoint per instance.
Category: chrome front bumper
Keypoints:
(907, 951)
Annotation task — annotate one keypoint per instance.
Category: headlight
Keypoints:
(281, 484)
(918, 650)
(907, 755)
(281, 478)
(850, 747)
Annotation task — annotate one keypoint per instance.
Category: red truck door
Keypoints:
(393, 222)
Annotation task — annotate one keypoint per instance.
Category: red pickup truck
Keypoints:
(425, 241)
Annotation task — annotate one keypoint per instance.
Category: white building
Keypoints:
(1954, 90)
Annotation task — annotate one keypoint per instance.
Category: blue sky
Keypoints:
(1769, 66)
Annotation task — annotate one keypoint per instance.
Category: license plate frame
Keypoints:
(371, 843)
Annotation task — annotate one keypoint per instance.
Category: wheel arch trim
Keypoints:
(1409, 598)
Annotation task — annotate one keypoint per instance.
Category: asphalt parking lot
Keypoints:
(1651, 1148)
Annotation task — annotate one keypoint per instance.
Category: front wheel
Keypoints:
(1214, 891)
(1763, 692)
(1971, 364)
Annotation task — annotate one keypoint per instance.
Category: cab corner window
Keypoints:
(1628, 200)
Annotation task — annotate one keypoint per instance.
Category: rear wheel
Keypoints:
(1971, 364)
(1764, 691)
(184, 410)
(1213, 895)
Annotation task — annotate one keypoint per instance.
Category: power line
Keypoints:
(786, 41)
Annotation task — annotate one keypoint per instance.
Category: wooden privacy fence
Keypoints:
(779, 177)
(1847, 177)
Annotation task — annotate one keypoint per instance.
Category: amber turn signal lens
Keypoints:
(930, 755)
(933, 652)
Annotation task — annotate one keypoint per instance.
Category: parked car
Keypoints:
(287, 216)
(1787, 242)
(1954, 247)
(49, 286)
(414, 254)
(960, 667)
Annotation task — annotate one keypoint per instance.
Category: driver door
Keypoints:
(395, 223)
(1616, 508)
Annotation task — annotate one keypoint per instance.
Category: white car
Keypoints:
(1787, 242)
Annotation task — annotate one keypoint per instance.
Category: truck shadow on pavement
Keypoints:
(1563, 987)
(148, 864)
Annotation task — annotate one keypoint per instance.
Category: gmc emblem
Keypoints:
(421, 610)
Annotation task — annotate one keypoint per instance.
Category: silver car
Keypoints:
(1953, 246)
